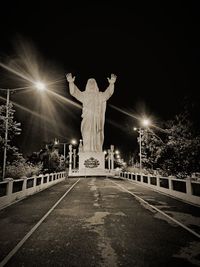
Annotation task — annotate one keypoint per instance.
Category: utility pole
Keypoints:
(6, 134)
(140, 145)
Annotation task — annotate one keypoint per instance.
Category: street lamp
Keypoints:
(117, 152)
(73, 142)
(145, 123)
(40, 86)
(6, 133)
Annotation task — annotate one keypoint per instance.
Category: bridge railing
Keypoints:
(185, 189)
(12, 190)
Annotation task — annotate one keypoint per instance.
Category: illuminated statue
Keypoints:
(93, 112)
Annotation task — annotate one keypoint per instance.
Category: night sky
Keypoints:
(153, 49)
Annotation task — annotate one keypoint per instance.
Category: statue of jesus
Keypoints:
(93, 112)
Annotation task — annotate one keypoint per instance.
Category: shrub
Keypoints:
(22, 169)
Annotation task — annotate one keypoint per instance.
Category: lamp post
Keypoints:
(6, 133)
(140, 145)
(145, 123)
(40, 86)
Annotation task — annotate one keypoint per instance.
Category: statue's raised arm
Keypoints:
(113, 79)
(73, 89)
(69, 77)
(110, 90)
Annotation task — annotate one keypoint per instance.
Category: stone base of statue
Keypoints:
(92, 164)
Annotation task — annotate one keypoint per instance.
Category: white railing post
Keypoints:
(148, 179)
(24, 184)
(188, 186)
(170, 183)
(157, 180)
(9, 186)
(47, 178)
(34, 181)
(42, 178)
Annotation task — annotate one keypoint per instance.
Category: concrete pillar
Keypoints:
(158, 181)
(188, 186)
(24, 186)
(9, 186)
(109, 159)
(47, 178)
(170, 183)
(112, 157)
(42, 178)
(74, 158)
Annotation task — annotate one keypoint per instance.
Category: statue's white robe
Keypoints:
(93, 116)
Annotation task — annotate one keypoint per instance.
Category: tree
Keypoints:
(49, 158)
(13, 130)
(182, 151)
(178, 152)
(152, 146)
(16, 165)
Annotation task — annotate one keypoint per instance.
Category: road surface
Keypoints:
(99, 222)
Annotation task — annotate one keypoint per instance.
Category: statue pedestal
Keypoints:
(92, 164)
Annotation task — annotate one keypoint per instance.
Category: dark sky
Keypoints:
(153, 49)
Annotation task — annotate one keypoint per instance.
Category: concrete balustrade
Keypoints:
(12, 190)
(187, 189)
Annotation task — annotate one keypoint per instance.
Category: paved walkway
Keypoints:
(100, 222)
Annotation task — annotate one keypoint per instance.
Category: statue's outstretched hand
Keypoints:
(112, 79)
(69, 77)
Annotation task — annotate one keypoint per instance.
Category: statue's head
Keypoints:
(91, 86)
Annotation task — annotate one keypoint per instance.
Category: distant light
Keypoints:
(117, 152)
(118, 156)
(56, 142)
(73, 142)
(105, 152)
(135, 129)
(146, 122)
(40, 86)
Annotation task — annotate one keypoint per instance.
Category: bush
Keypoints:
(22, 169)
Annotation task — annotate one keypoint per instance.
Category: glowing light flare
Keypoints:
(16, 72)
(41, 117)
(64, 100)
(124, 112)
(56, 141)
(73, 142)
(146, 122)
(40, 86)
(135, 117)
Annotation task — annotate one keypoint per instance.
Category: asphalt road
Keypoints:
(100, 222)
